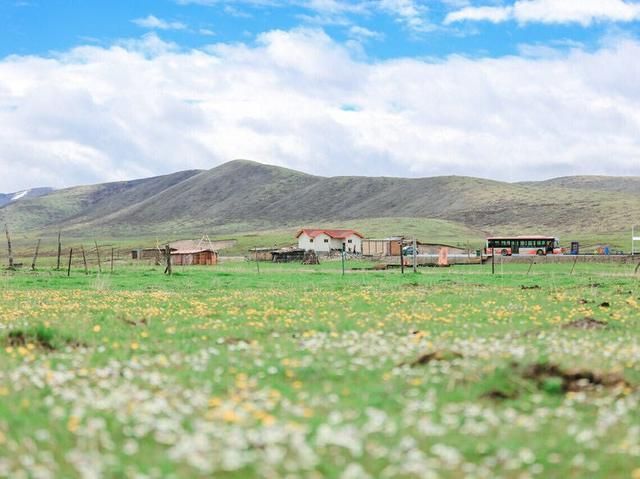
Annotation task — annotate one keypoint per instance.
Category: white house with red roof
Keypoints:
(325, 240)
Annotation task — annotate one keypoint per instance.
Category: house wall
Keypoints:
(317, 244)
(375, 247)
(202, 258)
(324, 243)
(380, 247)
(355, 246)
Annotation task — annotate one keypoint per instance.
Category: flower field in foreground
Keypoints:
(304, 373)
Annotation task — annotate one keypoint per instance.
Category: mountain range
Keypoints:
(242, 195)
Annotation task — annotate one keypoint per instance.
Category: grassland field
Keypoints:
(299, 371)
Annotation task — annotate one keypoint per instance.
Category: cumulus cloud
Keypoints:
(299, 99)
(155, 23)
(583, 12)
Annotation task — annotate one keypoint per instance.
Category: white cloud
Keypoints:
(361, 33)
(154, 23)
(584, 12)
(410, 12)
(301, 100)
(490, 14)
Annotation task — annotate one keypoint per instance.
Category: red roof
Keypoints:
(336, 234)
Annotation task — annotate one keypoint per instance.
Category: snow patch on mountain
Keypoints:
(22, 194)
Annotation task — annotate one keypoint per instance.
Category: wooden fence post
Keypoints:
(112, 260)
(533, 261)
(493, 261)
(59, 252)
(575, 260)
(167, 253)
(6, 230)
(415, 255)
(84, 260)
(69, 267)
(257, 262)
(98, 253)
(35, 257)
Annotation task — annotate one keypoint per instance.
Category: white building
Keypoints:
(323, 241)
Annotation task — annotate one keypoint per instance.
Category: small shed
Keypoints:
(288, 255)
(201, 256)
(382, 247)
(261, 254)
(154, 254)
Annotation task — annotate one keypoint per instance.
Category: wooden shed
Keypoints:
(154, 254)
(382, 247)
(187, 257)
(288, 255)
(262, 254)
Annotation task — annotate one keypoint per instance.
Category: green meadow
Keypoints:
(301, 371)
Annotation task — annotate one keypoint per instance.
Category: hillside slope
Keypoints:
(618, 184)
(243, 195)
(6, 198)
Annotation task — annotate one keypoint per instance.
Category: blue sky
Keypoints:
(44, 26)
(94, 91)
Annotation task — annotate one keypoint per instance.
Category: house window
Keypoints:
(326, 240)
(311, 240)
(349, 241)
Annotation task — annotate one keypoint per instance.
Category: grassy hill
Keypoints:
(6, 198)
(249, 197)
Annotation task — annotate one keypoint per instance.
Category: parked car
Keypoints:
(408, 251)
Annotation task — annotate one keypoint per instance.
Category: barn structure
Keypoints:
(188, 257)
(324, 241)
